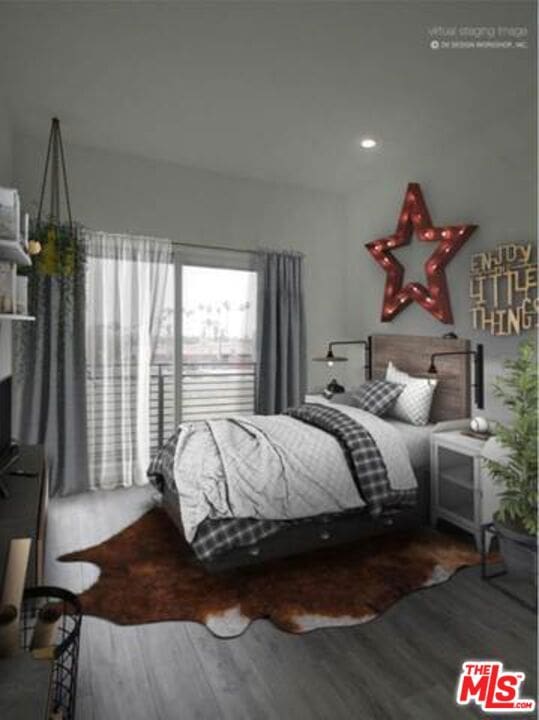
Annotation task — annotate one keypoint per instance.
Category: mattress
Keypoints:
(216, 538)
(417, 441)
(226, 544)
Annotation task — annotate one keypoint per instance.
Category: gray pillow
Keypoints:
(376, 396)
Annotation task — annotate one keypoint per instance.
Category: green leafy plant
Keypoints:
(56, 290)
(517, 388)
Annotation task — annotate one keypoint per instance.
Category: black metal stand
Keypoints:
(485, 575)
(6, 461)
(63, 691)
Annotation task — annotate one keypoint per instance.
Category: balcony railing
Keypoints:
(208, 390)
(162, 404)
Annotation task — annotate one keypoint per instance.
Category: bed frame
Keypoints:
(452, 401)
(321, 531)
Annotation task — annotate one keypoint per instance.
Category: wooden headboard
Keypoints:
(411, 353)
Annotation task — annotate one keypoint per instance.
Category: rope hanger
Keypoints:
(55, 165)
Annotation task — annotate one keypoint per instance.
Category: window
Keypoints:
(167, 340)
(218, 340)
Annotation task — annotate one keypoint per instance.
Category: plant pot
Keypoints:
(519, 551)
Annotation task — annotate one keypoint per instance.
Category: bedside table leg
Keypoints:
(479, 541)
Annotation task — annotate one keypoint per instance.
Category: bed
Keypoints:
(221, 542)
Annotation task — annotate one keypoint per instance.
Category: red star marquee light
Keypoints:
(414, 216)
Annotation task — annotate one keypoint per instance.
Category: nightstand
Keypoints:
(462, 490)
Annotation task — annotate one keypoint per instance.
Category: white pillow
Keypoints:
(414, 403)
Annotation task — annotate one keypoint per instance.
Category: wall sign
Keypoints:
(503, 292)
(414, 219)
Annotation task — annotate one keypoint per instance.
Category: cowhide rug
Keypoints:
(148, 574)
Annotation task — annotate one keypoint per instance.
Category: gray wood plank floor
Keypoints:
(403, 665)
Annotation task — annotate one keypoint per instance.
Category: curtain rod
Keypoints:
(197, 246)
(233, 249)
(209, 247)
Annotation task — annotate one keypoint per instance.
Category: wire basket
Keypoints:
(66, 651)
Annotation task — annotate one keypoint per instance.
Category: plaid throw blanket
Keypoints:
(364, 458)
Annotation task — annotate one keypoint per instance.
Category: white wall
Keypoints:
(6, 177)
(475, 155)
(190, 82)
(6, 147)
(118, 192)
(489, 180)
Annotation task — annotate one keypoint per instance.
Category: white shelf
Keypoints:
(14, 316)
(456, 441)
(13, 251)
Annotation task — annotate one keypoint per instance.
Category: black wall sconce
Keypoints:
(479, 372)
(331, 358)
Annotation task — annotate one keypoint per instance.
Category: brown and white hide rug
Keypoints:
(149, 574)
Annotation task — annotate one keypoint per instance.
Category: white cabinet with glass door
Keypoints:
(462, 491)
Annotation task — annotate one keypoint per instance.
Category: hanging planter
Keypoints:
(56, 278)
(57, 249)
(53, 242)
(49, 354)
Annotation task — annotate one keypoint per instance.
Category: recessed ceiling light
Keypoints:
(368, 143)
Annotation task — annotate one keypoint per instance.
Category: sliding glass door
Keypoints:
(204, 363)
(169, 338)
(218, 341)
(162, 370)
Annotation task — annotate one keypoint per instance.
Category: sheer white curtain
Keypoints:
(126, 280)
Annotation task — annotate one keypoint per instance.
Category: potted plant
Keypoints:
(516, 471)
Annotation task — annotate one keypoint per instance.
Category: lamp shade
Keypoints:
(330, 358)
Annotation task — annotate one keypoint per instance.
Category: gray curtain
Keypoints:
(49, 363)
(281, 379)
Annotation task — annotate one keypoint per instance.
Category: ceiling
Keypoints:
(279, 91)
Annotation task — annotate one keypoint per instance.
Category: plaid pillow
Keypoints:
(376, 396)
